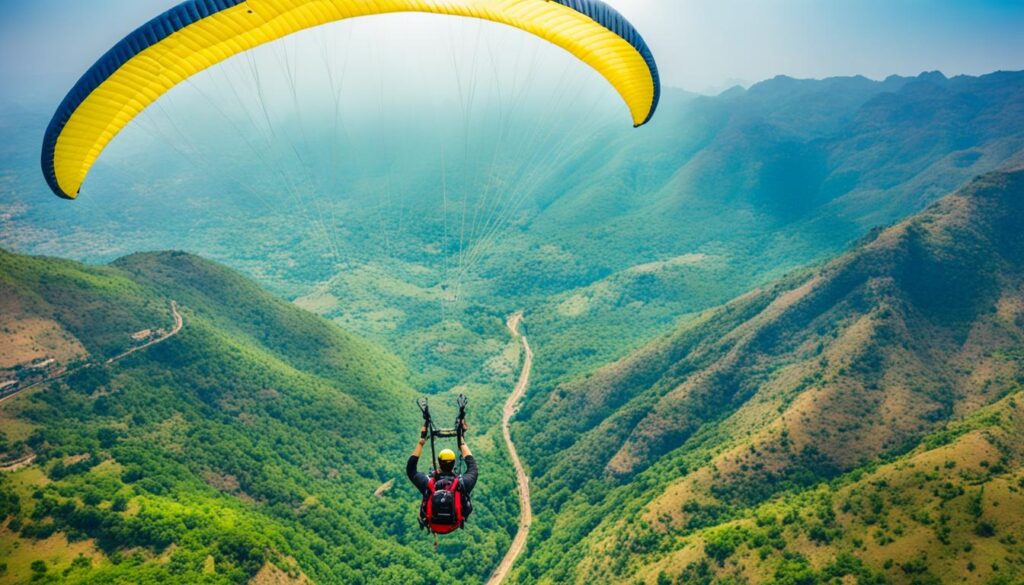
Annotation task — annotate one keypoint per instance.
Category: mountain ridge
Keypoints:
(796, 179)
(793, 384)
(794, 169)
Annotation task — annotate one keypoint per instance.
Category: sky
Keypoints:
(700, 45)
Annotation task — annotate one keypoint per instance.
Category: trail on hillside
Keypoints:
(18, 464)
(179, 323)
(523, 480)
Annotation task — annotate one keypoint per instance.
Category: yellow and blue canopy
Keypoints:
(198, 34)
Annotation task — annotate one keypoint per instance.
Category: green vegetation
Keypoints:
(865, 411)
(611, 246)
(255, 437)
(814, 429)
(910, 509)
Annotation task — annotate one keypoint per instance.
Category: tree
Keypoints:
(38, 568)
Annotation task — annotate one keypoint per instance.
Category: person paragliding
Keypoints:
(197, 35)
(446, 491)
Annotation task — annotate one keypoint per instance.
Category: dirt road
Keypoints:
(178, 324)
(384, 488)
(19, 464)
(511, 407)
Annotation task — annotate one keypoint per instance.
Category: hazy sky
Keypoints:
(700, 45)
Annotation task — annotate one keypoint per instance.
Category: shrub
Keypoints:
(985, 529)
(795, 574)
(721, 544)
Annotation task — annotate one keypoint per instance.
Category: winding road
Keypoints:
(179, 322)
(522, 479)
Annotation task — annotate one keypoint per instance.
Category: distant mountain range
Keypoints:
(867, 410)
(754, 182)
(759, 182)
(768, 350)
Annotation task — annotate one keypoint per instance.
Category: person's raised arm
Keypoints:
(423, 441)
(469, 478)
(463, 447)
(418, 479)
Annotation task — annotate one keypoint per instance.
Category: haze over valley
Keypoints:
(775, 335)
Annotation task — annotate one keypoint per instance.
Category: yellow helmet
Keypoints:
(446, 456)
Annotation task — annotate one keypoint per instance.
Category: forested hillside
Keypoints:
(248, 446)
(858, 419)
(726, 193)
(717, 195)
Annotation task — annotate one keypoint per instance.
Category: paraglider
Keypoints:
(446, 491)
(199, 34)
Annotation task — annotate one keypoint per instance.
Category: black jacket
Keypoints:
(422, 481)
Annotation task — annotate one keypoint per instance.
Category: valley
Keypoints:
(522, 479)
(778, 333)
(857, 419)
(796, 170)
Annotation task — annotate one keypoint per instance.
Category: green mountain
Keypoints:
(659, 221)
(857, 420)
(769, 437)
(731, 192)
(246, 446)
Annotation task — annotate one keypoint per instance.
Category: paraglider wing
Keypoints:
(198, 34)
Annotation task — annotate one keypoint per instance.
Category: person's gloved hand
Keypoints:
(423, 432)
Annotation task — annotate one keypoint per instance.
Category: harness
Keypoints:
(434, 432)
(444, 506)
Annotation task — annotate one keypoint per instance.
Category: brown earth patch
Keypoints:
(271, 574)
(25, 339)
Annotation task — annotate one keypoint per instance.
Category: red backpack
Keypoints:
(442, 506)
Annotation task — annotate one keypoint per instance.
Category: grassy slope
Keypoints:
(950, 510)
(256, 435)
(788, 386)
